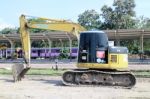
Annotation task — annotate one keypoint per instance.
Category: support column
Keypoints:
(31, 42)
(115, 37)
(118, 38)
(11, 44)
(141, 43)
(70, 45)
(49, 44)
(0, 53)
(62, 45)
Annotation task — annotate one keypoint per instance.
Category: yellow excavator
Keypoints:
(98, 63)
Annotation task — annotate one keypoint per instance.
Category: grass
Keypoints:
(52, 72)
(141, 73)
(33, 71)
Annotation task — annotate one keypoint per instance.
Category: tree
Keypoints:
(142, 23)
(89, 19)
(120, 16)
(107, 15)
(9, 31)
(132, 45)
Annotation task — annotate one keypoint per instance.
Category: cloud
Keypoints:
(4, 24)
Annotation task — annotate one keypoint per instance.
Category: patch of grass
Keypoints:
(34, 71)
(5, 71)
(142, 73)
(45, 72)
(52, 72)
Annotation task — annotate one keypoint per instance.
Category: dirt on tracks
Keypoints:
(50, 87)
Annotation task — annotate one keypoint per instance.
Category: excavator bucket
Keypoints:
(18, 71)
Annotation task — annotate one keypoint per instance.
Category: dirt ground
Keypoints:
(51, 87)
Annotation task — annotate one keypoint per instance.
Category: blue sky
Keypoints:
(10, 10)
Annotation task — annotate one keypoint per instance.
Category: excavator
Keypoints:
(98, 63)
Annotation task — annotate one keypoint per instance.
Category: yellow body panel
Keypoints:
(121, 63)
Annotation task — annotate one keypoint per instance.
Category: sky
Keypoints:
(10, 10)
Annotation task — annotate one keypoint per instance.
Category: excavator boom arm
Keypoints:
(19, 70)
(44, 23)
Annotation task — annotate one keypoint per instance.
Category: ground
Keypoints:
(46, 87)
(51, 87)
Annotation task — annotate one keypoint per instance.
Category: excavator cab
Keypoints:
(93, 47)
(95, 52)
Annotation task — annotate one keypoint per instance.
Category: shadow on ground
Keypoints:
(7, 80)
(48, 81)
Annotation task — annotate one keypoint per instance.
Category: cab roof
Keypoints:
(93, 31)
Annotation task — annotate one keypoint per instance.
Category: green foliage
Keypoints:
(132, 45)
(141, 73)
(109, 18)
(120, 16)
(40, 44)
(9, 31)
(89, 19)
(147, 44)
(64, 54)
(142, 23)
(36, 30)
(33, 71)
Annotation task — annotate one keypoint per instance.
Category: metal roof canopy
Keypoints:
(120, 34)
(53, 36)
(129, 34)
(125, 34)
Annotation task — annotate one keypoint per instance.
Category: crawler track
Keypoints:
(97, 77)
